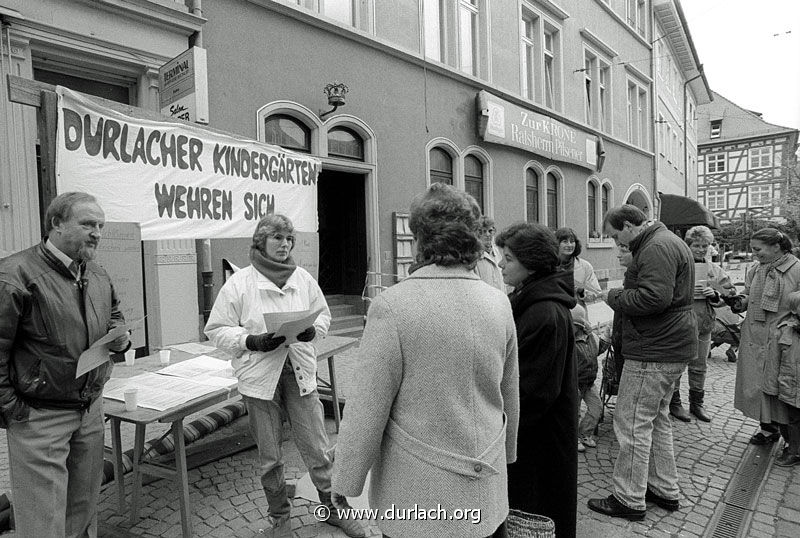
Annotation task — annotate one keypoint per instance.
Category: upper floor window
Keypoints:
(606, 199)
(473, 179)
(597, 89)
(355, 13)
(288, 132)
(345, 143)
(716, 128)
(432, 15)
(456, 34)
(532, 195)
(637, 16)
(637, 114)
(541, 59)
(552, 200)
(591, 206)
(715, 162)
(441, 166)
(760, 195)
(715, 199)
(761, 157)
(468, 35)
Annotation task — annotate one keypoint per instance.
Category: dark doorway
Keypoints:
(342, 232)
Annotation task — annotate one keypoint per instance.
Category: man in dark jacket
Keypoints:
(659, 336)
(54, 303)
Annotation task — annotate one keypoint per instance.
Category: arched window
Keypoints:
(532, 195)
(345, 143)
(473, 179)
(287, 132)
(591, 204)
(552, 200)
(604, 204)
(441, 166)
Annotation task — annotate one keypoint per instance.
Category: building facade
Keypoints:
(744, 162)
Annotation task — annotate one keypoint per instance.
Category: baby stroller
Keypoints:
(609, 383)
(727, 330)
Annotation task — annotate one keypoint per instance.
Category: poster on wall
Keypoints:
(176, 180)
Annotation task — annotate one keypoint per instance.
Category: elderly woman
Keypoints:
(276, 379)
(711, 285)
(772, 289)
(587, 288)
(544, 478)
(436, 416)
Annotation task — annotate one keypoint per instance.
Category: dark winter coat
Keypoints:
(544, 478)
(659, 324)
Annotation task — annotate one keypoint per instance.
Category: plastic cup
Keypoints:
(130, 355)
(163, 356)
(131, 397)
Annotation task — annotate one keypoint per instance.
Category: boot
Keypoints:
(349, 525)
(696, 405)
(676, 409)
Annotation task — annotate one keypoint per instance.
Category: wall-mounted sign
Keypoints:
(183, 86)
(505, 123)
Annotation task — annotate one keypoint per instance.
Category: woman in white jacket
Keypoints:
(587, 288)
(275, 378)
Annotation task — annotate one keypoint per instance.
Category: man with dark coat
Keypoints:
(659, 336)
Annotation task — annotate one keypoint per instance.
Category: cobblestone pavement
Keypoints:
(227, 500)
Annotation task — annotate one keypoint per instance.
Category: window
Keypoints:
(355, 13)
(637, 16)
(345, 143)
(455, 33)
(467, 35)
(541, 59)
(675, 150)
(597, 90)
(606, 200)
(591, 206)
(637, 114)
(441, 166)
(715, 162)
(668, 143)
(589, 62)
(715, 200)
(286, 131)
(473, 179)
(760, 195)
(716, 128)
(761, 157)
(432, 12)
(552, 201)
(532, 195)
(662, 129)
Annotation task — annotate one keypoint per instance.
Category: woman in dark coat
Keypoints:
(545, 476)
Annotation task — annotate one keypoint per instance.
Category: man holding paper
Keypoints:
(54, 304)
(277, 373)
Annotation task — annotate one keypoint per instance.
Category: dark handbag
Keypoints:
(612, 371)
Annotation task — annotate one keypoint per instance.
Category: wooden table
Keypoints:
(327, 349)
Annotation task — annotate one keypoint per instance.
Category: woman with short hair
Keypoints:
(587, 288)
(544, 480)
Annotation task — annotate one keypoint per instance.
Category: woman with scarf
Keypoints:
(772, 289)
(277, 379)
(544, 479)
(587, 288)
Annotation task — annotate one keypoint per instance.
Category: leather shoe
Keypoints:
(667, 504)
(680, 413)
(610, 506)
(700, 412)
(761, 439)
(787, 460)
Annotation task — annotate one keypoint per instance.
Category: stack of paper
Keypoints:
(203, 369)
(159, 392)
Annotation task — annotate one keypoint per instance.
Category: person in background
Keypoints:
(711, 284)
(544, 478)
(587, 347)
(659, 336)
(276, 379)
(771, 285)
(55, 302)
(587, 288)
(487, 267)
(436, 417)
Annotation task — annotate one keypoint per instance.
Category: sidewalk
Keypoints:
(227, 499)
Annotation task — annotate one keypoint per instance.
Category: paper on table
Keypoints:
(97, 353)
(203, 369)
(159, 392)
(195, 348)
(290, 324)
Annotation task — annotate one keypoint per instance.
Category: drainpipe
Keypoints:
(197, 38)
(656, 210)
(685, 134)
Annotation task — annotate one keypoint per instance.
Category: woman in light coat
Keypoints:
(435, 418)
(587, 288)
(770, 285)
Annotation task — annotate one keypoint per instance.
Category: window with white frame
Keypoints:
(541, 58)
(597, 90)
(637, 16)
(760, 157)
(715, 199)
(468, 36)
(553, 200)
(441, 163)
(473, 179)
(433, 25)
(605, 200)
(715, 162)
(531, 195)
(637, 114)
(675, 151)
(591, 207)
(455, 33)
(760, 195)
(355, 13)
(716, 129)
(668, 142)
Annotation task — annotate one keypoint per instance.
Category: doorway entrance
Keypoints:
(341, 207)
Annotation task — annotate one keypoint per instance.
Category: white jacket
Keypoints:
(238, 312)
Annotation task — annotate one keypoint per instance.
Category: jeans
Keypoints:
(698, 366)
(644, 432)
(308, 431)
(594, 408)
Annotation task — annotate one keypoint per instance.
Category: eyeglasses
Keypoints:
(280, 237)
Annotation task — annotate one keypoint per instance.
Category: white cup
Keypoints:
(130, 399)
(129, 356)
(163, 356)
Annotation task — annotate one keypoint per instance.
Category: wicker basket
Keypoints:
(523, 525)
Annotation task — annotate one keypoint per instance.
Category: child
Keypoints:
(586, 349)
